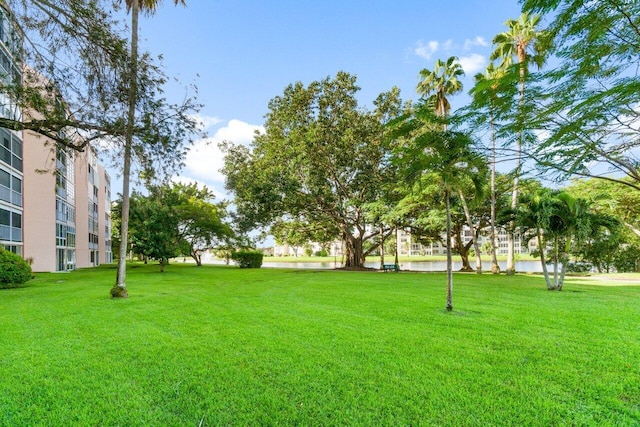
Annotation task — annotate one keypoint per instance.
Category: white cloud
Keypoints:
(426, 50)
(207, 121)
(473, 63)
(448, 45)
(478, 41)
(205, 159)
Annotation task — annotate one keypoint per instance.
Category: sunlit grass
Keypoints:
(224, 346)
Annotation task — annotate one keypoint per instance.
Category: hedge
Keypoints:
(248, 259)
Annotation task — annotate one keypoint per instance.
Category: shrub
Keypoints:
(248, 259)
(14, 271)
(578, 267)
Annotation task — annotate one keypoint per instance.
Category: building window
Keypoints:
(10, 226)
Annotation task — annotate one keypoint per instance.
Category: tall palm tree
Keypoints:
(526, 44)
(119, 290)
(436, 87)
(486, 92)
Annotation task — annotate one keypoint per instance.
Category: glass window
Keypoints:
(16, 146)
(17, 162)
(5, 155)
(16, 220)
(5, 217)
(5, 179)
(16, 184)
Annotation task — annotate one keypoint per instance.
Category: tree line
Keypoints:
(326, 167)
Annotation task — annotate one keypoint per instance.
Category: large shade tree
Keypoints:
(321, 159)
(521, 46)
(177, 219)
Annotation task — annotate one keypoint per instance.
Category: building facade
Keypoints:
(11, 147)
(67, 222)
(54, 202)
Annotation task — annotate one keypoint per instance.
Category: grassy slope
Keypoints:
(219, 345)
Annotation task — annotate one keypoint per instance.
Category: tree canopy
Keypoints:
(321, 159)
(587, 108)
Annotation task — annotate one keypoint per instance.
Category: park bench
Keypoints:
(390, 267)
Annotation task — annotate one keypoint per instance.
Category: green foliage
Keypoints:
(248, 259)
(321, 160)
(588, 103)
(437, 85)
(177, 219)
(560, 224)
(14, 271)
(627, 259)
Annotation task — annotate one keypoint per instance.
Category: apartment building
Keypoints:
(54, 202)
(11, 147)
(67, 199)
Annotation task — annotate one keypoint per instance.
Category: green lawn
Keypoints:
(222, 346)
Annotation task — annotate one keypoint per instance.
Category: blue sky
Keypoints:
(240, 54)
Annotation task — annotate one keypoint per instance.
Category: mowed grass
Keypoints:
(223, 346)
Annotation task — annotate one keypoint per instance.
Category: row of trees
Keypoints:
(176, 220)
(327, 167)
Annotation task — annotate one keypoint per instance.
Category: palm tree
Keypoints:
(444, 154)
(448, 154)
(436, 86)
(528, 45)
(119, 290)
(559, 221)
(486, 91)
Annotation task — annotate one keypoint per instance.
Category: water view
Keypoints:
(523, 266)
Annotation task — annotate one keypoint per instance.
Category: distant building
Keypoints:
(409, 246)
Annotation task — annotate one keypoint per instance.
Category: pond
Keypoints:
(532, 266)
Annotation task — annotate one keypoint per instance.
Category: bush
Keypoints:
(14, 271)
(248, 259)
(578, 267)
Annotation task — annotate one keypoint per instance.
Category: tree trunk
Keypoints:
(495, 267)
(474, 232)
(462, 249)
(511, 266)
(161, 265)
(397, 240)
(555, 263)
(197, 257)
(449, 261)
(120, 289)
(354, 253)
(545, 271)
(381, 247)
